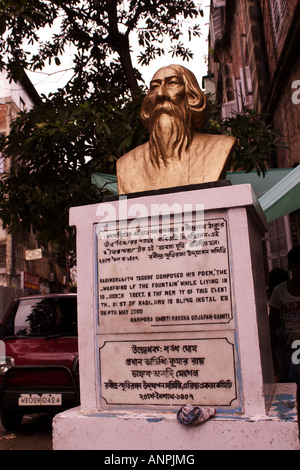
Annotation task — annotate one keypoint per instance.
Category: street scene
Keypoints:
(149, 226)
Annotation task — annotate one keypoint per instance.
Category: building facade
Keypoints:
(24, 263)
(254, 57)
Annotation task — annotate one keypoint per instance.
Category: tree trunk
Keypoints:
(120, 43)
(126, 62)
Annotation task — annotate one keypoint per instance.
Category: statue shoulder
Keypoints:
(209, 156)
(214, 139)
(129, 166)
(134, 155)
(212, 145)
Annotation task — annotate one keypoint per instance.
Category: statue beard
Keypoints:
(170, 132)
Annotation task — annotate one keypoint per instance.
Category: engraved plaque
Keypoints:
(168, 372)
(167, 282)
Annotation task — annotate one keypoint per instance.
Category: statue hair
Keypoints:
(196, 100)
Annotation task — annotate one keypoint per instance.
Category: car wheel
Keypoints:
(11, 419)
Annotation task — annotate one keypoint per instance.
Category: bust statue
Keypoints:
(178, 153)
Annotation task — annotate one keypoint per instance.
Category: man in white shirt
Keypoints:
(285, 301)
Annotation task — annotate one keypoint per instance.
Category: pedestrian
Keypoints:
(285, 302)
(278, 276)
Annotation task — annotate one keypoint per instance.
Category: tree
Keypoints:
(257, 140)
(89, 124)
(92, 121)
(54, 148)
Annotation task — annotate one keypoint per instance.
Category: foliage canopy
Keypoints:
(99, 30)
(88, 125)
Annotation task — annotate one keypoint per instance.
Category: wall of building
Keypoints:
(271, 54)
(15, 92)
(254, 48)
(275, 37)
(287, 119)
(282, 48)
(13, 99)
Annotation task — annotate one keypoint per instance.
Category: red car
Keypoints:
(38, 357)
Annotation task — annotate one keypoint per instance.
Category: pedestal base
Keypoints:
(107, 430)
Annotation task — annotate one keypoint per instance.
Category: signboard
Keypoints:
(164, 282)
(168, 372)
(33, 254)
(31, 282)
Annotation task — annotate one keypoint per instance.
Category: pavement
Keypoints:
(35, 433)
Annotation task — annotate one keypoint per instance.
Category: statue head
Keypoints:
(174, 107)
(195, 97)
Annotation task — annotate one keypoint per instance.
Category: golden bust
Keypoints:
(177, 154)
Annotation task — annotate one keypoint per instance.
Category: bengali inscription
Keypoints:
(168, 372)
(164, 278)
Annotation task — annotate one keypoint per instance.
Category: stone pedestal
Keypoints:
(172, 310)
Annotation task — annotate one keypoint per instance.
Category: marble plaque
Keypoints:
(169, 372)
(164, 282)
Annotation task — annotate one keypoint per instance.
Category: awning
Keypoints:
(283, 198)
(103, 181)
(260, 184)
(278, 192)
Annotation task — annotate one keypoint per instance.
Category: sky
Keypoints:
(45, 83)
(199, 47)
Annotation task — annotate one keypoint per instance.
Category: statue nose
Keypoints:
(162, 93)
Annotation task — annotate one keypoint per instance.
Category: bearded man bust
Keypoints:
(178, 153)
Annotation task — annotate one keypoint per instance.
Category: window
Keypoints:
(216, 26)
(219, 3)
(45, 316)
(19, 258)
(278, 8)
(229, 109)
(246, 87)
(2, 158)
(1, 163)
(278, 243)
(283, 6)
(2, 256)
(22, 104)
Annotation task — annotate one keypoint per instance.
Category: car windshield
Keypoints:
(44, 317)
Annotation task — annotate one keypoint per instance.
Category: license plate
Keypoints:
(34, 399)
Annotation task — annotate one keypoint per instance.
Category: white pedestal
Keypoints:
(221, 326)
(278, 430)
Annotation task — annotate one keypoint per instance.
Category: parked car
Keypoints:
(39, 366)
